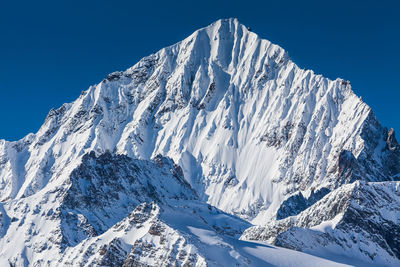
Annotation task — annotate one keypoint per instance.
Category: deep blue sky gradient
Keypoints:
(52, 50)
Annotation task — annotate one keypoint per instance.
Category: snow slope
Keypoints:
(248, 128)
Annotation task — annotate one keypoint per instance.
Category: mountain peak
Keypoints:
(231, 23)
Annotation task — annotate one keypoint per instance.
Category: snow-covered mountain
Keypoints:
(242, 130)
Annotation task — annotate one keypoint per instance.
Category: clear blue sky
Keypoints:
(52, 50)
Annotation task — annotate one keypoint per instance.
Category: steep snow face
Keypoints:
(247, 126)
(359, 220)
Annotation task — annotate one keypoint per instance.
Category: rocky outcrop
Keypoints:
(392, 155)
(297, 203)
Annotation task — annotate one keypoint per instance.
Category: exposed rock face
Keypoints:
(393, 155)
(391, 141)
(297, 203)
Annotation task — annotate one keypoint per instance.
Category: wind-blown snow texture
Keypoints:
(247, 130)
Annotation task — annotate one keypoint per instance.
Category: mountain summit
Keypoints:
(222, 124)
